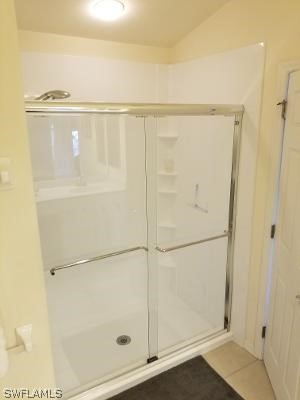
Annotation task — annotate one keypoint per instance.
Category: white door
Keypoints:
(282, 350)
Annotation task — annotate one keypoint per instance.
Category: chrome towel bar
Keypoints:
(101, 257)
(181, 246)
(130, 250)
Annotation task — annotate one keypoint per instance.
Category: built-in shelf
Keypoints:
(163, 173)
(168, 137)
(166, 225)
(173, 192)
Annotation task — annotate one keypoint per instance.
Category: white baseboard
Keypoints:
(118, 385)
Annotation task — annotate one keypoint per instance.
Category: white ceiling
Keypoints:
(147, 22)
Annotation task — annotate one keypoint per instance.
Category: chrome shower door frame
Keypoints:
(159, 110)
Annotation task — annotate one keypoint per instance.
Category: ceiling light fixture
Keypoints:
(107, 10)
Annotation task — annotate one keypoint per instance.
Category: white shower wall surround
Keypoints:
(94, 78)
(112, 213)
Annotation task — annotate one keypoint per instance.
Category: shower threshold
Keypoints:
(140, 374)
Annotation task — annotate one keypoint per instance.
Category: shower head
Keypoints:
(54, 95)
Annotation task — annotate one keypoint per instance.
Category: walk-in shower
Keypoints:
(136, 208)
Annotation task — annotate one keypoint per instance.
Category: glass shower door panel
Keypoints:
(90, 185)
(89, 178)
(194, 163)
(90, 307)
(194, 174)
(191, 293)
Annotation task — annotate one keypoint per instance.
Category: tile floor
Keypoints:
(242, 371)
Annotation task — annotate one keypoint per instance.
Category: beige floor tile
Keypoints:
(252, 382)
(228, 359)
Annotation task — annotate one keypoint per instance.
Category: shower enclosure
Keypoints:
(136, 210)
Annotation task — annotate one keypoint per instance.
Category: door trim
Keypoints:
(285, 69)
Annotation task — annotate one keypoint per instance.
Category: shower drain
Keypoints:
(123, 340)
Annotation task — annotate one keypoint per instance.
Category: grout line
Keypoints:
(268, 386)
(240, 369)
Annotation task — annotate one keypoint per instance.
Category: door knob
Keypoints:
(298, 298)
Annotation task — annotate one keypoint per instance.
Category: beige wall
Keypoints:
(22, 294)
(240, 23)
(22, 297)
(51, 43)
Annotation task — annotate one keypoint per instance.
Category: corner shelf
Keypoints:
(166, 225)
(163, 173)
(168, 192)
(168, 137)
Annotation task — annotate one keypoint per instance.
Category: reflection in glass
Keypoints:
(77, 151)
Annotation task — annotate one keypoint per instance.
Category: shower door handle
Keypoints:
(97, 258)
(181, 246)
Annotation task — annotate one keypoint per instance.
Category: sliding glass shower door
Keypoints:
(194, 165)
(135, 223)
(90, 185)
